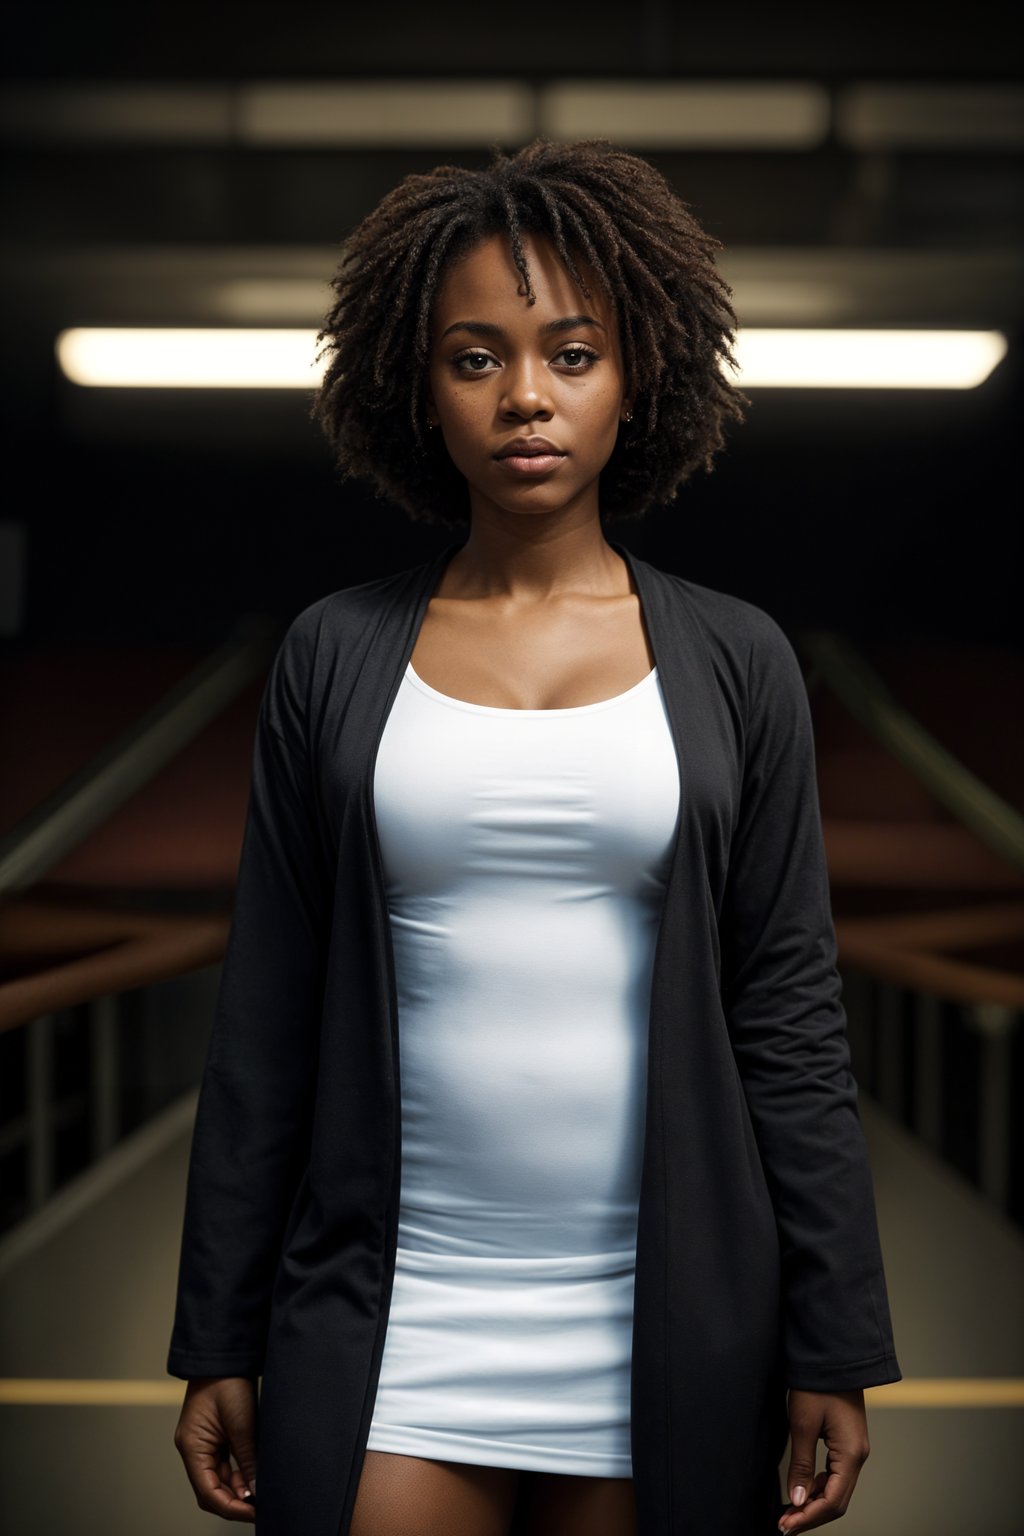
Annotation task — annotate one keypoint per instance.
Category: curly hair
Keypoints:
(650, 255)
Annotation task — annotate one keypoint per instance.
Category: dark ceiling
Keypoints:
(176, 39)
(155, 513)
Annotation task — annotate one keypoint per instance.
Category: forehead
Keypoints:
(485, 284)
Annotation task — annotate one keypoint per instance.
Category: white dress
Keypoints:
(525, 856)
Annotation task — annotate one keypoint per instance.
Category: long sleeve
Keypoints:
(781, 992)
(251, 1137)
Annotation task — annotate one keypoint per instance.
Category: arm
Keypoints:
(251, 1137)
(781, 994)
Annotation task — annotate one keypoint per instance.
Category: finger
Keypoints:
(241, 1432)
(233, 1477)
(803, 1455)
(818, 1486)
(827, 1500)
(216, 1498)
(239, 1484)
(210, 1476)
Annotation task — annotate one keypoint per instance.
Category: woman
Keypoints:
(527, 1169)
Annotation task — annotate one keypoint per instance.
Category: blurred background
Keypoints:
(192, 165)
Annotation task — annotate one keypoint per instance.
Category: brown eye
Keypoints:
(582, 358)
(471, 357)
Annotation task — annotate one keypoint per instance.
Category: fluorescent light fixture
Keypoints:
(398, 112)
(692, 114)
(755, 115)
(171, 358)
(863, 359)
(751, 114)
(770, 359)
(890, 114)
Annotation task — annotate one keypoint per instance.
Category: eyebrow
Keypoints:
(484, 328)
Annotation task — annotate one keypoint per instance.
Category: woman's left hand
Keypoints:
(840, 1419)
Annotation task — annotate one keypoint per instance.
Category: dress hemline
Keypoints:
(444, 1445)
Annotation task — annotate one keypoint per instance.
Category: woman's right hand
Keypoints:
(218, 1421)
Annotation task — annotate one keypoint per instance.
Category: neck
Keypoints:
(531, 558)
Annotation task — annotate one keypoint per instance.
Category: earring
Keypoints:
(628, 416)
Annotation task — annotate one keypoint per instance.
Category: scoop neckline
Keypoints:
(499, 709)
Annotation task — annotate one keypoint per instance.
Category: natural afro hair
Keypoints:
(590, 199)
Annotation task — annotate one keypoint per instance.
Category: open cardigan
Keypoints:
(758, 1265)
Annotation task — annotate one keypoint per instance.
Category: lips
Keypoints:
(529, 448)
(531, 457)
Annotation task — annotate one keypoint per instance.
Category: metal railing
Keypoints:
(864, 693)
(85, 800)
(109, 959)
(919, 1017)
(935, 1035)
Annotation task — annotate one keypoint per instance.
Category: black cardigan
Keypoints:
(758, 1264)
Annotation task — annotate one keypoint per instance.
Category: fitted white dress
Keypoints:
(525, 857)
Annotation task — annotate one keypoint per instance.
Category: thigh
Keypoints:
(410, 1496)
(581, 1506)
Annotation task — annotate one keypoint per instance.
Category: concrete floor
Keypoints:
(87, 1290)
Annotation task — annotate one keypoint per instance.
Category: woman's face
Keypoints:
(502, 369)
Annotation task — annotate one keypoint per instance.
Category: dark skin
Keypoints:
(217, 1423)
(535, 611)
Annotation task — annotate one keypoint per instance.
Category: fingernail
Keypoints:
(799, 1494)
(246, 1493)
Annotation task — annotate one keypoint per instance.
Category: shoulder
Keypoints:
(339, 621)
(349, 608)
(743, 636)
(324, 643)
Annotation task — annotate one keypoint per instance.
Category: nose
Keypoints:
(526, 393)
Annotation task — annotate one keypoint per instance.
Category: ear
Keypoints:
(430, 409)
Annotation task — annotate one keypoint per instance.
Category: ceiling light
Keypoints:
(866, 359)
(274, 358)
(169, 358)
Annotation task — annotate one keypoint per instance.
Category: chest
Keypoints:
(555, 806)
(545, 655)
(361, 676)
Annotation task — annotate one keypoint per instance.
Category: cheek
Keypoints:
(466, 403)
(597, 418)
(463, 406)
(465, 426)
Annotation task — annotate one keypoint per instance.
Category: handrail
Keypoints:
(866, 696)
(104, 951)
(67, 816)
(930, 952)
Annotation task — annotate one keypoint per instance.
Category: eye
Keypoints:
(472, 358)
(582, 357)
